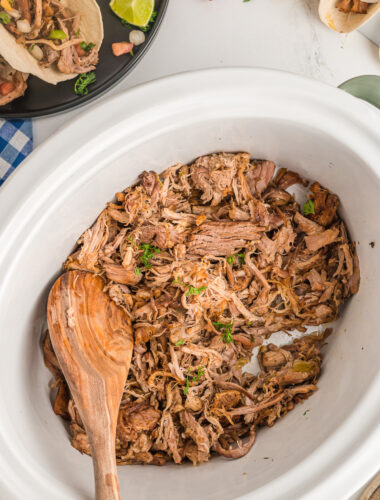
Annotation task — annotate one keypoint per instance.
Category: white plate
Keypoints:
(57, 193)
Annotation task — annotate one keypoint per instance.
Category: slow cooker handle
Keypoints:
(366, 87)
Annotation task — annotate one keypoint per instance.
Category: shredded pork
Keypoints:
(17, 80)
(354, 6)
(209, 260)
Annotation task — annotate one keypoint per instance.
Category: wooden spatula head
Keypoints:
(93, 341)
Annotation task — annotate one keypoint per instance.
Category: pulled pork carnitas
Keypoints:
(209, 260)
(12, 83)
(51, 33)
(355, 6)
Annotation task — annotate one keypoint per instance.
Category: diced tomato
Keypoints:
(6, 88)
(121, 48)
(80, 51)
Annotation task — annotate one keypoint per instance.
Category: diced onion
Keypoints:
(137, 37)
(36, 52)
(15, 14)
(23, 25)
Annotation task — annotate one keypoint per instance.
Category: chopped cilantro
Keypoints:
(137, 271)
(304, 413)
(187, 386)
(177, 281)
(131, 240)
(180, 342)
(148, 254)
(231, 260)
(309, 207)
(196, 377)
(83, 81)
(195, 291)
(191, 290)
(241, 258)
(226, 329)
(86, 47)
(200, 373)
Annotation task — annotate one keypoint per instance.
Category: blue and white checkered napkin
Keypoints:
(16, 142)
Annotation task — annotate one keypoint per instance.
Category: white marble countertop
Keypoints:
(280, 34)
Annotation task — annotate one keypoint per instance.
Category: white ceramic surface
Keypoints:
(312, 128)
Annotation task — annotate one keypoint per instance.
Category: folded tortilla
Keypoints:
(19, 57)
(9, 74)
(342, 22)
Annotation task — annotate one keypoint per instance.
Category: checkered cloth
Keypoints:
(16, 142)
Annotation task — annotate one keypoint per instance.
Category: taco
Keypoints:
(345, 16)
(54, 40)
(12, 83)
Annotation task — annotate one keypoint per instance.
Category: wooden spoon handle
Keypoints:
(103, 455)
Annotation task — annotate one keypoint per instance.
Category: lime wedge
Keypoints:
(137, 12)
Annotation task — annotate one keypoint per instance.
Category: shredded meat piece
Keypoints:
(286, 178)
(208, 260)
(259, 178)
(326, 205)
(18, 79)
(316, 241)
(222, 238)
(356, 6)
(213, 175)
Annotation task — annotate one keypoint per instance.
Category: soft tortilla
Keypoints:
(19, 57)
(342, 22)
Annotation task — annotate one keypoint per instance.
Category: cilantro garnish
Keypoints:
(137, 271)
(241, 257)
(177, 281)
(148, 254)
(231, 260)
(191, 290)
(238, 258)
(86, 47)
(225, 329)
(187, 386)
(180, 342)
(82, 83)
(201, 371)
(195, 291)
(309, 207)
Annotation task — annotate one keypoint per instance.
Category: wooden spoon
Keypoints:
(92, 339)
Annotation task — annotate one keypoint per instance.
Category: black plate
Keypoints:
(43, 99)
